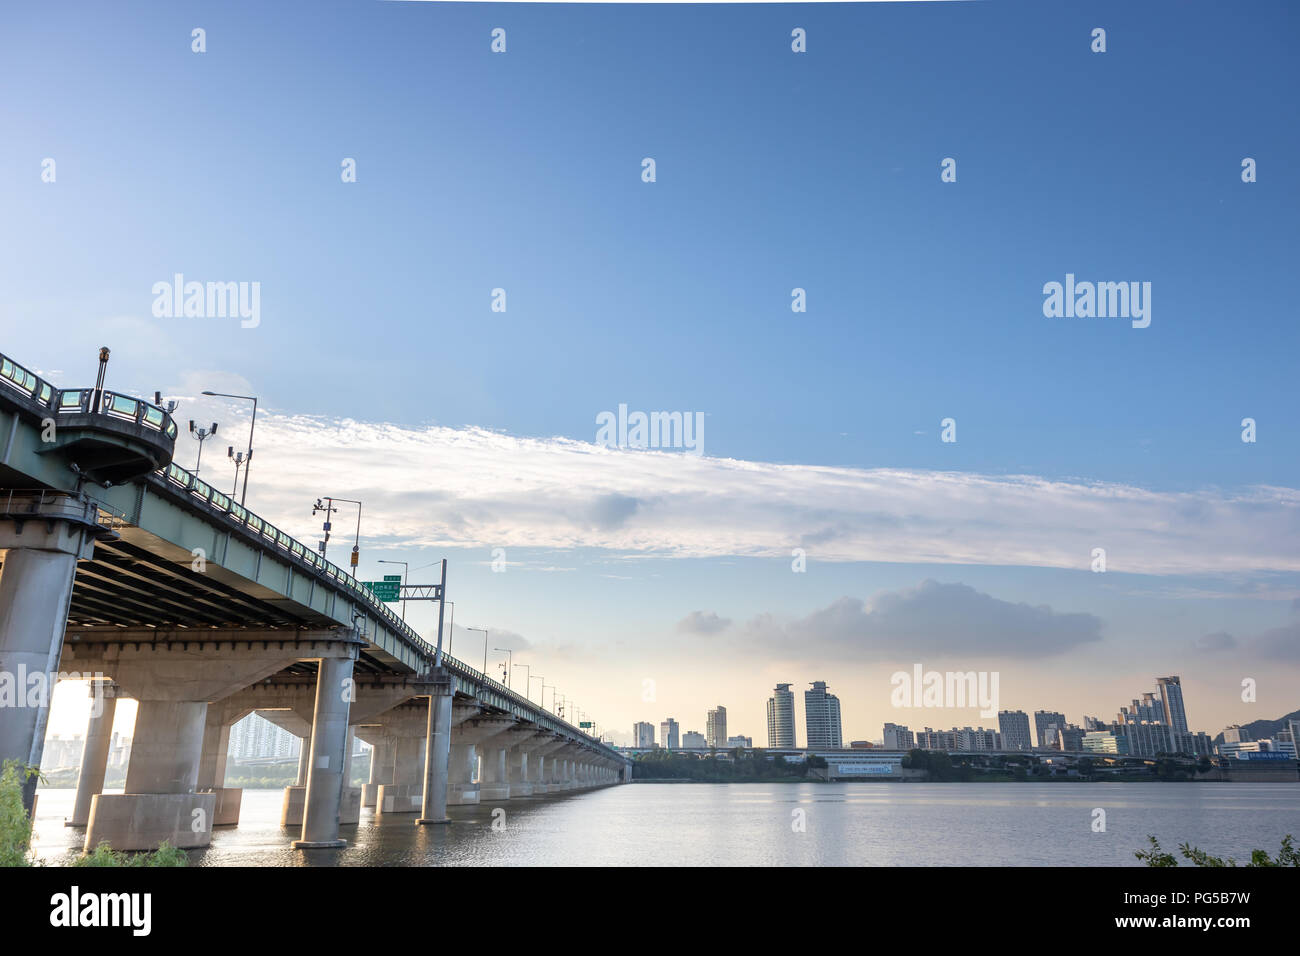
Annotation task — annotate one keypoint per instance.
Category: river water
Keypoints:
(871, 824)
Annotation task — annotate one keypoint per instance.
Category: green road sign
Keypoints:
(393, 577)
(385, 590)
(586, 723)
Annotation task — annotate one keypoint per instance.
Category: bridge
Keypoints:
(120, 566)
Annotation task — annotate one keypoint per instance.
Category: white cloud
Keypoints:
(445, 487)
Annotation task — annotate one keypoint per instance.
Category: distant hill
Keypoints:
(1259, 729)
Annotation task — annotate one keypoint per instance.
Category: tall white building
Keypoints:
(670, 735)
(780, 717)
(898, 737)
(1171, 699)
(643, 735)
(822, 718)
(693, 740)
(715, 731)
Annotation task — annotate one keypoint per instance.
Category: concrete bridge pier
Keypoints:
(437, 751)
(212, 766)
(466, 738)
(541, 762)
(329, 736)
(94, 758)
(518, 758)
(404, 729)
(381, 765)
(40, 563)
(159, 803)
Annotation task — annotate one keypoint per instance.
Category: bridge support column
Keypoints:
(329, 735)
(406, 793)
(304, 756)
(381, 770)
(159, 803)
(437, 752)
(94, 758)
(495, 785)
(212, 768)
(40, 563)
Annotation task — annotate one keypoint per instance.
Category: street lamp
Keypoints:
(552, 687)
(202, 434)
(328, 509)
(510, 659)
(249, 457)
(406, 566)
(239, 458)
(542, 696)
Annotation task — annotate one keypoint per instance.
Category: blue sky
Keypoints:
(774, 171)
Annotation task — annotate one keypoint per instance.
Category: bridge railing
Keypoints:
(66, 401)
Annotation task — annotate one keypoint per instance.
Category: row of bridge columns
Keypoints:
(192, 685)
(175, 780)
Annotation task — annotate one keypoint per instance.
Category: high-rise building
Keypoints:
(643, 735)
(821, 711)
(1171, 699)
(780, 717)
(693, 740)
(669, 732)
(740, 741)
(1014, 727)
(1046, 724)
(715, 731)
(898, 737)
(1236, 734)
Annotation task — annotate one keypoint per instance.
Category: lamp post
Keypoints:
(552, 687)
(406, 568)
(238, 458)
(249, 457)
(202, 434)
(542, 696)
(510, 659)
(328, 508)
(528, 681)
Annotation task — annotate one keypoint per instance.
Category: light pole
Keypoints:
(528, 681)
(202, 434)
(328, 508)
(552, 687)
(485, 644)
(542, 696)
(510, 659)
(249, 457)
(406, 568)
(239, 459)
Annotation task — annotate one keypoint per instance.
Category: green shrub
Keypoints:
(105, 855)
(15, 824)
(1287, 856)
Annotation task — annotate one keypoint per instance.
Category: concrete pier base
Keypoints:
(399, 798)
(142, 821)
(295, 797)
(226, 813)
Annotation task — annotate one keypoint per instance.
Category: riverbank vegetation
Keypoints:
(1155, 856)
(16, 832)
